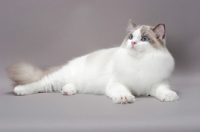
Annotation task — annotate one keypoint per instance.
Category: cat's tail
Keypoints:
(23, 73)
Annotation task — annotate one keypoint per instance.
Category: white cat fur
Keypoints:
(121, 73)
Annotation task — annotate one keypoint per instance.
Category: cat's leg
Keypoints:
(164, 93)
(69, 89)
(49, 83)
(119, 93)
(25, 89)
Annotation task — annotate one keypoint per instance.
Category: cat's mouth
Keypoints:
(133, 47)
(137, 48)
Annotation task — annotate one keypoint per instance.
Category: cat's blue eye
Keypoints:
(145, 38)
(131, 37)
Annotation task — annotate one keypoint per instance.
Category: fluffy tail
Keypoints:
(24, 73)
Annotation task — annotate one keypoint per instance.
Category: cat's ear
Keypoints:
(131, 25)
(159, 30)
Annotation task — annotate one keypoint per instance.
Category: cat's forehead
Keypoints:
(146, 29)
(143, 30)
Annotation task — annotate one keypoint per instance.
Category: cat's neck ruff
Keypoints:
(155, 65)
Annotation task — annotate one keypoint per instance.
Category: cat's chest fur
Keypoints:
(139, 73)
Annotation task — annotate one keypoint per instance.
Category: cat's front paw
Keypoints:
(69, 89)
(169, 97)
(123, 99)
(22, 90)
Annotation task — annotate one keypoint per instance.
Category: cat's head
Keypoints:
(143, 39)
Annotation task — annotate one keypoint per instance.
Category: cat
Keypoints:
(141, 66)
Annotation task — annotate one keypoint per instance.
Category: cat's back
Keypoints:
(99, 57)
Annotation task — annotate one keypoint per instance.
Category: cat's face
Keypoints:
(144, 38)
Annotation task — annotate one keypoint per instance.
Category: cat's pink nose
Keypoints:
(133, 43)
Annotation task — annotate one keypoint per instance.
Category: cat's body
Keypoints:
(120, 73)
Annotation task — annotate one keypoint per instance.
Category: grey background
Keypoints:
(51, 32)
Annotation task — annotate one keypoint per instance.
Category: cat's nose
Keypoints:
(133, 42)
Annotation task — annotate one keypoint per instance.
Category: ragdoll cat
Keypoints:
(141, 66)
